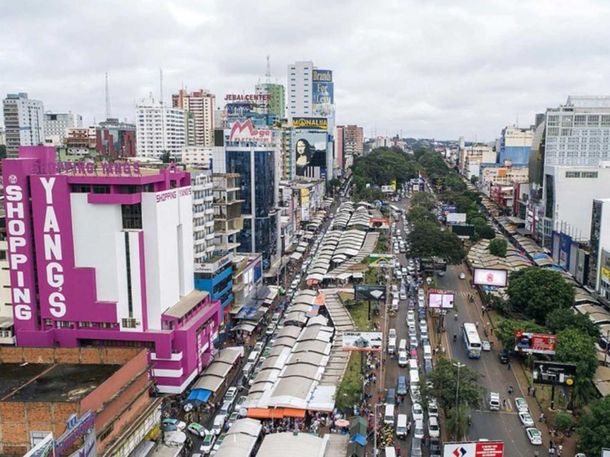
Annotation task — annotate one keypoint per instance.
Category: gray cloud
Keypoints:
(436, 68)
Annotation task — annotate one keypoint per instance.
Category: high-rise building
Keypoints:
(353, 142)
(277, 102)
(578, 133)
(56, 126)
(23, 122)
(203, 215)
(202, 105)
(106, 259)
(515, 145)
(160, 129)
(116, 139)
(228, 221)
(300, 101)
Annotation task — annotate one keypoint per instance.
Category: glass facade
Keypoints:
(264, 179)
(239, 162)
(245, 237)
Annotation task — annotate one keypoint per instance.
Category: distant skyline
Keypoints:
(426, 68)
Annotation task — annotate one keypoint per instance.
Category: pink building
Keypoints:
(102, 255)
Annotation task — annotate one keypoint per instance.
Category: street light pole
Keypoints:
(457, 399)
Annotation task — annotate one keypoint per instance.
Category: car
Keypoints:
(534, 435)
(403, 359)
(418, 412)
(435, 448)
(413, 342)
(239, 408)
(434, 430)
(294, 284)
(485, 345)
(432, 408)
(401, 386)
(503, 356)
(171, 425)
(270, 329)
(232, 418)
(219, 423)
(196, 429)
(258, 347)
(521, 405)
(226, 406)
(402, 295)
(217, 444)
(207, 443)
(526, 419)
(231, 394)
(419, 430)
(462, 275)
(392, 333)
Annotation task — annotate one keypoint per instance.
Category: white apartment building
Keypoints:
(197, 156)
(300, 89)
(23, 122)
(578, 133)
(203, 215)
(471, 157)
(202, 106)
(56, 126)
(159, 129)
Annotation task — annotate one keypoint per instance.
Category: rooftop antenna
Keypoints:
(268, 73)
(107, 93)
(161, 85)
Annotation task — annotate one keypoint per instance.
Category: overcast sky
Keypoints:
(426, 68)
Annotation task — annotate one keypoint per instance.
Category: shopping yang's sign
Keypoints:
(474, 449)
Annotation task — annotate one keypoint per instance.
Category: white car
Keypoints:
(419, 430)
(521, 405)
(418, 412)
(485, 345)
(462, 275)
(231, 394)
(392, 333)
(402, 295)
(433, 428)
(219, 423)
(432, 409)
(534, 435)
(526, 419)
(413, 342)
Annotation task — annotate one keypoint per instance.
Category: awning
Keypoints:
(293, 412)
(296, 256)
(247, 327)
(202, 395)
(275, 413)
(359, 439)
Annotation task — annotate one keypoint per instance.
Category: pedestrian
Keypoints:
(510, 390)
(534, 392)
(508, 366)
(541, 418)
(504, 403)
(559, 450)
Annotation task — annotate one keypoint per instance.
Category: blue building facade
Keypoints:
(515, 145)
(216, 278)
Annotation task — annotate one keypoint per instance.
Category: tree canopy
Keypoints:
(575, 346)
(383, 165)
(537, 291)
(594, 428)
(427, 239)
(444, 379)
(497, 247)
(506, 329)
(423, 199)
(419, 214)
(563, 318)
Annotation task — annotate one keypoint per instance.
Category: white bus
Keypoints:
(471, 340)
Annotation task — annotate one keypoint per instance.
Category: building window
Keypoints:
(101, 189)
(129, 323)
(132, 216)
(80, 188)
(589, 174)
(572, 174)
(38, 437)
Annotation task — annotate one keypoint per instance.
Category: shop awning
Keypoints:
(359, 439)
(202, 395)
(296, 256)
(275, 413)
(293, 412)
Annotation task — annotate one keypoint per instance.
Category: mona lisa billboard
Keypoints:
(309, 149)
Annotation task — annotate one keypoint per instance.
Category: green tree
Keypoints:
(576, 346)
(506, 328)
(454, 183)
(423, 199)
(166, 157)
(594, 428)
(427, 239)
(563, 318)
(536, 292)
(485, 231)
(419, 214)
(444, 386)
(474, 180)
(563, 421)
(497, 247)
(457, 422)
(383, 165)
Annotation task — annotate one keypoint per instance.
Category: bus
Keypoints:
(471, 340)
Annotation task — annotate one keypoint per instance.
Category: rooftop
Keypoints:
(46, 382)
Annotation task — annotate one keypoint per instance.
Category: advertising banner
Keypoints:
(362, 341)
(535, 343)
(474, 449)
(322, 92)
(312, 123)
(554, 373)
(490, 277)
(44, 448)
(310, 153)
(246, 131)
(388, 189)
(463, 230)
(456, 218)
(379, 222)
(440, 299)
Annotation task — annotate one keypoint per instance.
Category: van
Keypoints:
(389, 451)
(401, 426)
(413, 365)
(402, 345)
(388, 417)
(494, 401)
(427, 352)
(414, 379)
(253, 357)
(247, 370)
(403, 358)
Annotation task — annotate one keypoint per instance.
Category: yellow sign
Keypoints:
(393, 184)
(606, 273)
(304, 196)
(319, 123)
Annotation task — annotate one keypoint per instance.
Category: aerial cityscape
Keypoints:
(237, 229)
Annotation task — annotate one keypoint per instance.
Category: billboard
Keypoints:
(463, 230)
(554, 373)
(310, 152)
(313, 123)
(323, 96)
(474, 449)
(388, 189)
(379, 222)
(456, 218)
(381, 260)
(246, 131)
(440, 299)
(490, 277)
(362, 341)
(368, 292)
(44, 448)
(535, 343)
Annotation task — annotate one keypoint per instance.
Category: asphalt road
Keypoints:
(501, 425)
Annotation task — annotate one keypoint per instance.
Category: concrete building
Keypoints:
(160, 129)
(23, 122)
(56, 126)
(599, 258)
(215, 276)
(202, 105)
(107, 259)
(81, 141)
(492, 175)
(515, 145)
(277, 100)
(228, 221)
(91, 401)
(116, 139)
(197, 156)
(300, 89)
(471, 157)
(203, 215)
(349, 143)
(578, 133)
